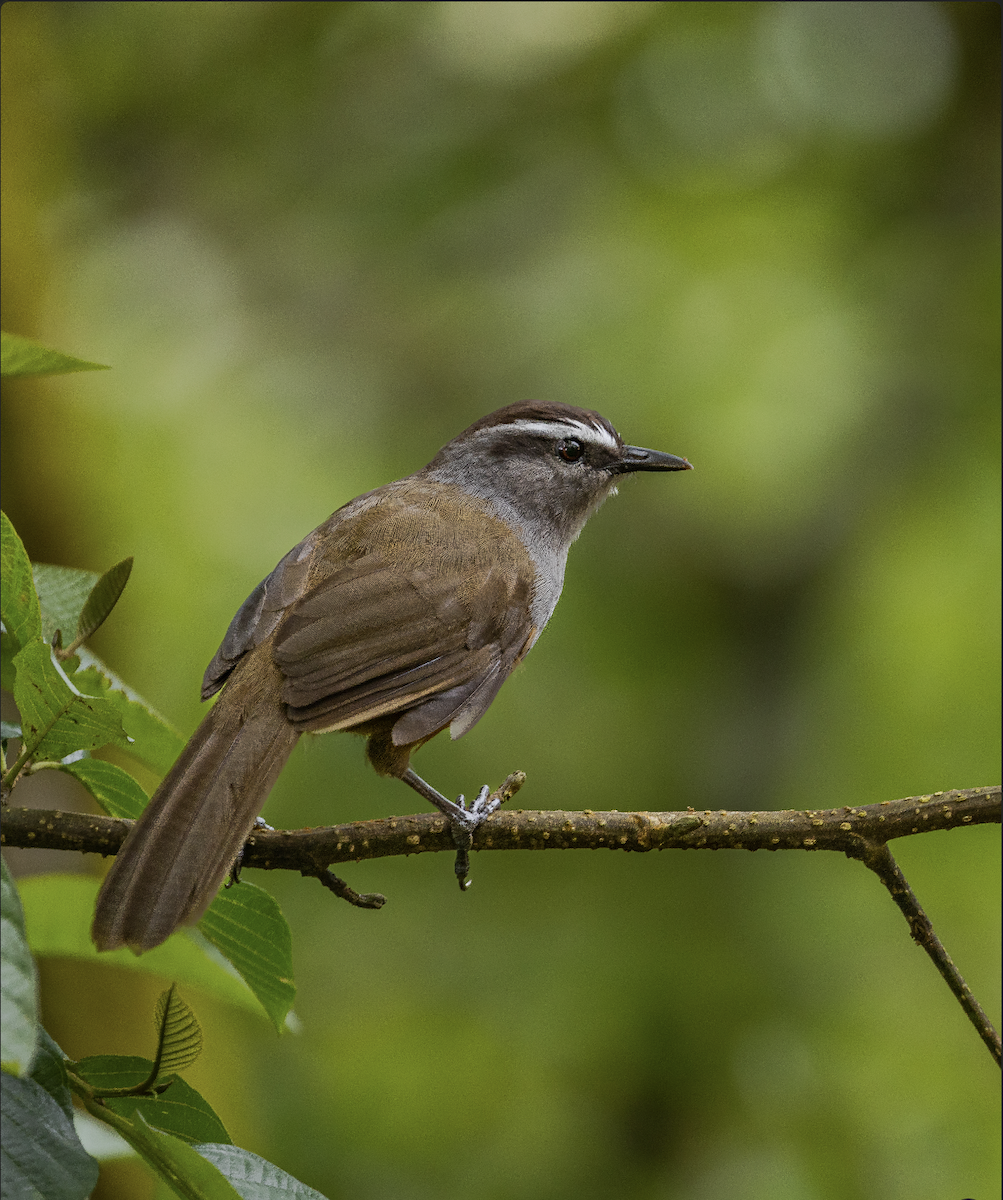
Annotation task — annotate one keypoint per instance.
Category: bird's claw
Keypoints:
(234, 877)
(467, 819)
(463, 823)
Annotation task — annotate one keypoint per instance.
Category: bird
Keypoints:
(398, 617)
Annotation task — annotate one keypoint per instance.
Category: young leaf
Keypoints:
(180, 1110)
(21, 356)
(254, 1177)
(57, 719)
(18, 983)
(58, 911)
(41, 1154)
(114, 789)
(102, 599)
(179, 1035)
(247, 926)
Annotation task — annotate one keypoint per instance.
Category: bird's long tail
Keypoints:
(180, 850)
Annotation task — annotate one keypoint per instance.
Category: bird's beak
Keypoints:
(636, 458)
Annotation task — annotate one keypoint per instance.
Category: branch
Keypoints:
(847, 830)
(858, 832)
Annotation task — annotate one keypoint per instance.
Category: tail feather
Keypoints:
(180, 850)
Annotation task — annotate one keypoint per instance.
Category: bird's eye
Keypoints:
(570, 450)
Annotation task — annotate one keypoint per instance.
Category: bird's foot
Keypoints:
(464, 821)
(234, 876)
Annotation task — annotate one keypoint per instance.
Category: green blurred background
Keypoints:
(316, 240)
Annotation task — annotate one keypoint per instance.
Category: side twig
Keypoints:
(879, 858)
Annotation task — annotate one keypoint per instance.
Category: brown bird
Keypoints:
(399, 616)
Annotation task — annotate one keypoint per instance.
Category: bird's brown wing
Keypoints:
(261, 612)
(376, 638)
(411, 600)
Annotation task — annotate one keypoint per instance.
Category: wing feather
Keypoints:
(370, 642)
(366, 622)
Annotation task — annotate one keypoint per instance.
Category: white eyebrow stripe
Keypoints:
(569, 428)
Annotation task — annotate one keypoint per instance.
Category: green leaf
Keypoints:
(247, 926)
(57, 719)
(114, 789)
(58, 911)
(103, 598)
(155, 741)
(41, 1155)
(189, 1174)
(62, 594)
(179, 1110)
(8, 651)
(77, 602)
(49, 1069)
(18, 983)
(22, 618)
(21, 356)
(179, 1035)
(254, 1177)
(9, 731)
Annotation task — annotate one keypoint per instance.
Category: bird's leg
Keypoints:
(462, 820)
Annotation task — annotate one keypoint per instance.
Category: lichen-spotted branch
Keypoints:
(858, 831)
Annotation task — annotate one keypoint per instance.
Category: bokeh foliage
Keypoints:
(315, 240)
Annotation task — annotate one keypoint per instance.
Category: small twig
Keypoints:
(10, 776)
(879, 858)
(341, 889)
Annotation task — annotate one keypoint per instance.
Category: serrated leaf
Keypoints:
(21, 356)
(103, 598)
(246, 925)
(18, 982)
(41, 1155)
(114, 789)
(58, 911)
(155, 741)
(62, 594)
(179, 1034)
(19, 605)
(179, 1111)
(254, 1177)
(56, 717)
